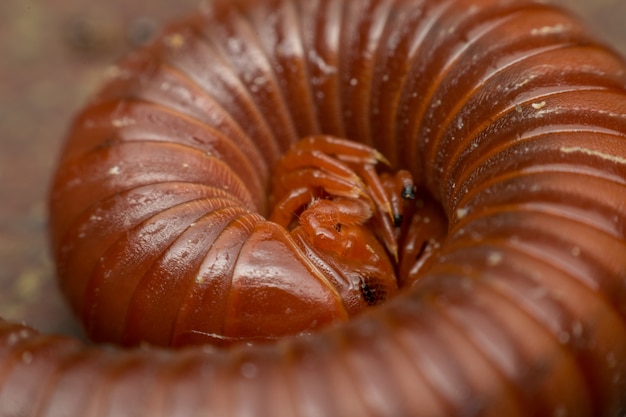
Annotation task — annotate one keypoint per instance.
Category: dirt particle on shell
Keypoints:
(27, 357)
(494, 258)
(538, 106)
(175, 40)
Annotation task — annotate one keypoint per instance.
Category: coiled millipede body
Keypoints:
(511, 120)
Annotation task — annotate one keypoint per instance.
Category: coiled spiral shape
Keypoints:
(507, 111)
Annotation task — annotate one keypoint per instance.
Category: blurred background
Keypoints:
(53, 54)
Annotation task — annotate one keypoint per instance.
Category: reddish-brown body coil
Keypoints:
(508, 112)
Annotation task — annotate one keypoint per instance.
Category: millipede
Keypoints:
(341, 208)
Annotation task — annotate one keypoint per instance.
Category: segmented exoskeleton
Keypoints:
(508, 114)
